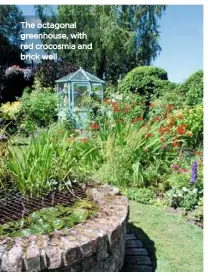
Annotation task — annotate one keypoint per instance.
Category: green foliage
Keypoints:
(50, 219)
(146, 81)
(121, 40)
(192, 88)
(48, 71)
(143, 195)
(10, 30)
(187, 198)
(39, 108)
(50, 160)
(34, 169)
(11, 111)
(195, 215)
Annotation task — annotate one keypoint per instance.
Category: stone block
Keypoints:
(138, 260)
(133, 243)
(136, 252)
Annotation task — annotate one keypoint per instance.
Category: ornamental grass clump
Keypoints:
(46, 160)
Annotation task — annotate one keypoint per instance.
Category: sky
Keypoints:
(181, 40)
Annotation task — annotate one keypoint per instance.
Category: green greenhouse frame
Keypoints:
(75, 90)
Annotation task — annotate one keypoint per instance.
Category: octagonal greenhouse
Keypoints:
(77, 92)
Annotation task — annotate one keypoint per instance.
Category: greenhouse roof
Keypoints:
(80, 76)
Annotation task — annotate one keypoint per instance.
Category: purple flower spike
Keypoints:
(194, 173)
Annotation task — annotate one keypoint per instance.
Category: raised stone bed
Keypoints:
(96, 245)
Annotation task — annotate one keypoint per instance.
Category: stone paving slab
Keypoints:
(133, 243)
(137, 268)
(136, 256)
(143, 260)
(130, 237)
(136, 252)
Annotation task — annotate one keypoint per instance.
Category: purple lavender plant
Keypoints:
(194, 173)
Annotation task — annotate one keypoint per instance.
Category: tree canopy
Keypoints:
(10, 30)
(123, 36)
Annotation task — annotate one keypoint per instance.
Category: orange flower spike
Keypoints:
(116, 108)
(170, 106)
(126, 108)
(149, 135)
(84, 140)
(180, 116)
(152, 105)
(157, 119)
(134, 103)
(198, 152)
(139, 118)
(181, 129)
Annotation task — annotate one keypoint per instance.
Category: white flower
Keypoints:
(184, 189)
(194, 191)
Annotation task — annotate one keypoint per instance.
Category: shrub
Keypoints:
(185, 198)
(39, 108)
(10, 111)
(49, 71)
(192, 88)
(145, 80)
(14, 82)
(143, 195)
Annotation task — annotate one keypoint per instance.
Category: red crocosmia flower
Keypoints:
(106, 101)
(126, 108)
(114, 104)
(134, 120)
(116, 108)
(164, 129)
(84, 140)
(176, 144)
(94, 126)
(152, 105)
(134, 103)
(162, 139)
(181, 129)
(171, 121)
(180, 117)
(198, 152)
(149, 135)
(170, 106)
(157, 119)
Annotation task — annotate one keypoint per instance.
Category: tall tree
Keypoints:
(122, 37)
(10, 30)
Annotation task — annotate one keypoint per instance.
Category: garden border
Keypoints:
(96, 245)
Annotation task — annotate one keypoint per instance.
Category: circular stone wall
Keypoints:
(96, 245)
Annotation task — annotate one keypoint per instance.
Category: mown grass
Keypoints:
(173, 244)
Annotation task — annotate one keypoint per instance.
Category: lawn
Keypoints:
(173, 244)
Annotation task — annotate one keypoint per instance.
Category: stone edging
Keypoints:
(96, 245)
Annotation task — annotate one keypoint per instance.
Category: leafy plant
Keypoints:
(184, 198)
(39, 108)
(142, 195)
(50, 219)
(192, 89)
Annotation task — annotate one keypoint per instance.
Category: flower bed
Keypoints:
(96, 245)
